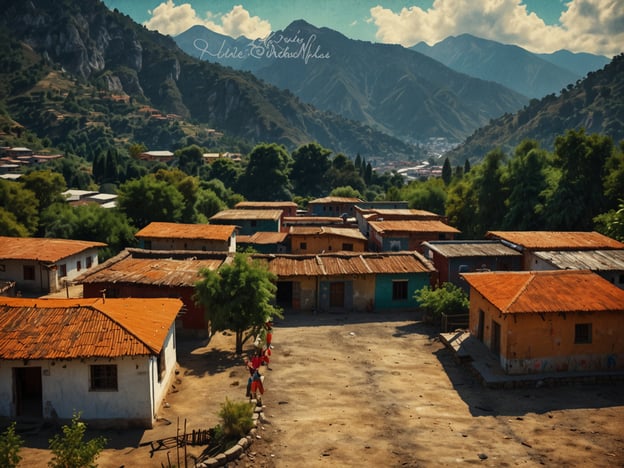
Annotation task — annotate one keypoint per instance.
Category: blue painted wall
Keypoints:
(383, 290)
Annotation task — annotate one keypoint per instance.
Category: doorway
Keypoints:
(28, 392)
(496, 337)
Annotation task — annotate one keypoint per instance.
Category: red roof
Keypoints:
(547, 291)
(424, 225)
(42, 248)
(557, 240)
(156, 230)
(82, 328)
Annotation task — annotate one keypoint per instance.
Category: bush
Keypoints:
(447, 299)
(10, 445)
(236, 419)
(71, 451)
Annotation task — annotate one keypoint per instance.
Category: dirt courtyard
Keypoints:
(373, 390)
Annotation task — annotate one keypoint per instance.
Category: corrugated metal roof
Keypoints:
(81, 328)
(312, 220)
(156, 230)
(547, 291)
(595, 260)
(403, 212)
(264, 204)
(412, 226)
(263, 238)
(557, 240)
(156, 268)
(234, 215)
(452, 249)
(334, 200)
(42, 248)
(351, 233)
(345, 264)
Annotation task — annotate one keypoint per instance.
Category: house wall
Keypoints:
(331, 209)
(459, 265)
(358, 293)
(383, 290)
(534, 343)
(159, 386)
(247, 227)
(325, 243)
(193, 319)
(47, 279)
(190, 244)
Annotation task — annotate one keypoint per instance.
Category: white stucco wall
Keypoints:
(65, 385)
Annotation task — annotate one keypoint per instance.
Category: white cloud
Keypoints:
(168, 18)
(595, 26)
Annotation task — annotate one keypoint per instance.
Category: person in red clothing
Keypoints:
(257, 360)
(269, 333)
(266, 356)
(257, 387)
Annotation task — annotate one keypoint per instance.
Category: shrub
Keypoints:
(10, 445)
(236, 419)
(71, 451)
(447, 299)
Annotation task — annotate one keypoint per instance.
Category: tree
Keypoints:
(308, 175)
(346, 192)
(447, 299)
(46, 185)
(238, 297)
(447, 171)
(9, 226)
(266, 174)
(429, 195)
(612, 223)
(22, 203)
(227, 171)
(490, 191)
(70, 449)
(189, 159)
(10, 445)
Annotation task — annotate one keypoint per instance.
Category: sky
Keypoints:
(540, 26)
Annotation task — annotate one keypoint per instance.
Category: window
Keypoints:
(78, 265)
(62, 270)
(89, 262)
(582, 333)
(399, 290)
(103, 377)
(29, 273)
(303, 245)
(347, 247)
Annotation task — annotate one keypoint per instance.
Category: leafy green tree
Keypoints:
(308, 175)
(612, 223)
(227, 171)
(238, 297)
(526, 177)
(447, 299)
(461, 206)
(189, 159)
(135, 150)
(148, 199)
(70, 450)
(10, 445)
(208, 204)
(343, 173)
(46, 185)
(490, 192)
(266, 174)
(10, 226)
(346, 192)
(22, 203)
(429, 195)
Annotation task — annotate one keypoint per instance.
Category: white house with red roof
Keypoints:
(45, 265)
(112, 360)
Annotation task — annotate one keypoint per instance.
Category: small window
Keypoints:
(348, 247)
(89, 262)
(62, 270)
(29, 273)
(103, 377)
(582, 333)
(303, 246)
(399, 290)
(78, 265)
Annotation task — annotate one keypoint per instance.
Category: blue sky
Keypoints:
(595, 26)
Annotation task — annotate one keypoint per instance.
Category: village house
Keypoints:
(333, 206)
(316, 221)
(111, 360)
(452, 258)
(288, 208)
(395, 236)
(364, 215)
(529, 242)
(250, 221)
(364, 282)
(312, 240)
(177, 236)
(548, 321)
(152, 273)
(265, 242)
(45, 265)
(163, 156)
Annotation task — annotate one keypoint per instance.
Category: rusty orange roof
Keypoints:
(264, 204)
(312, 220)
(233, 215)
(412, 226)
(156, 230)
(346, 263)
(263, 238)
(160, 268)
(43, 249)
(323, 231)
(557, 240)
(547, 291)
(334, 200)
(82, 328)
(398, 213)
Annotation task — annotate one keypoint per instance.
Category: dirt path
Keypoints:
(352, 390)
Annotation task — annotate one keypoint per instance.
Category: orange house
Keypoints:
(548, 321)
(312, 240)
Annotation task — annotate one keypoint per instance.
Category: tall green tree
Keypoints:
(46, 185)
(226, 171)
(189, 159)
(266, 176)
(491, 193)
(310, 166)
(22, 203)
(238, 297)
(447, 171)
(429, 195)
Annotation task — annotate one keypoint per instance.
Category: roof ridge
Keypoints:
(521, 290)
